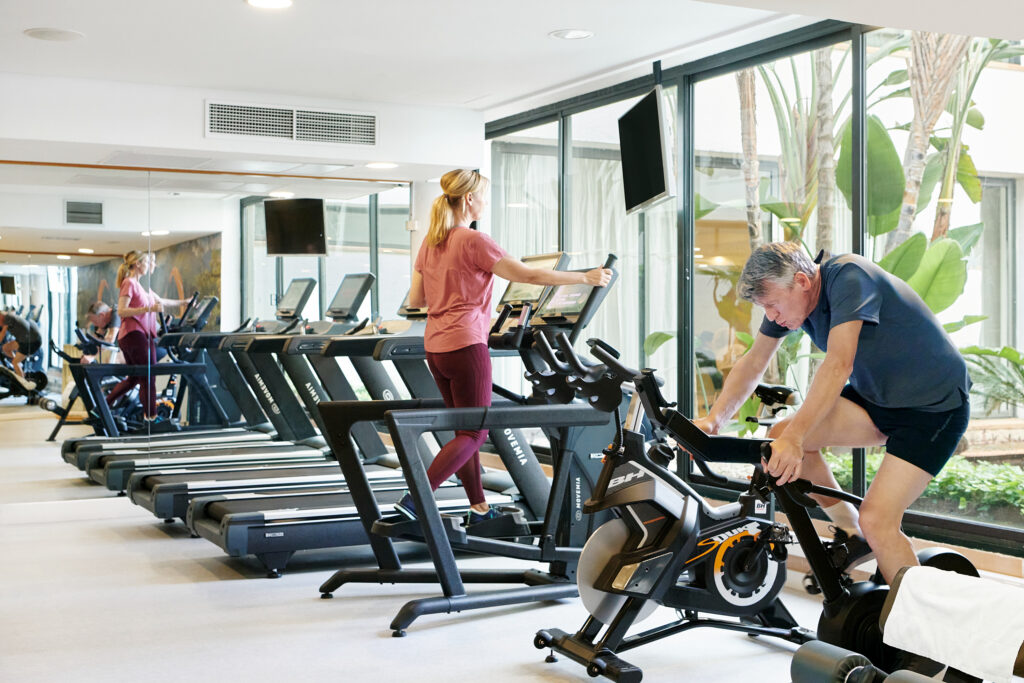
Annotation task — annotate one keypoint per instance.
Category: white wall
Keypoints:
(137, 116)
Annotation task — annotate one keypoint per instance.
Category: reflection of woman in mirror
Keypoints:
(138, 305)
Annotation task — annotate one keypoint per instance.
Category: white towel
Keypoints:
(974, 625)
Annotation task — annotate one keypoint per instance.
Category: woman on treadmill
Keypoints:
(453, 276)
(138, 305)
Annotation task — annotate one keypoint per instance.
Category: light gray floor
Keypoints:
(95, 589)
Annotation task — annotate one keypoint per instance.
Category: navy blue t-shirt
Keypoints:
(904, 357)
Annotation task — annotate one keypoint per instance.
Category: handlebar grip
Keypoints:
(570, 353)
(610, 261)
(506, 311)
(624, 372)
(548, 354)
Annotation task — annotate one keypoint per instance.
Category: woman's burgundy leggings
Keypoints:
(138, 349)
(464, 378)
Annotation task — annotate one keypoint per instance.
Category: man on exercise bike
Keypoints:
(26, 341)
(891, 376)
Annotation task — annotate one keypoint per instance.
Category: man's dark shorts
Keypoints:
(31, 348)
(917, 436)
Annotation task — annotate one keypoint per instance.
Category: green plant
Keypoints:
(998, 375)
(979, 486)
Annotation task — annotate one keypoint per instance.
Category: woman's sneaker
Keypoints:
(475, 517)
(405, 506)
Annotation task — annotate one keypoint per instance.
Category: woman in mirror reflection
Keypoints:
(138, 307)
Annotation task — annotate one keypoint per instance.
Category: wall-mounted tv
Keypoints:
(7, 285)
(295, 226)
(647, 175)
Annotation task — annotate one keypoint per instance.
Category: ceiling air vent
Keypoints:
(332, 126)
(90, 213)
(290, 124)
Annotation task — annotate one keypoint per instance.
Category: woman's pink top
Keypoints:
(138, 297)
(457, 283)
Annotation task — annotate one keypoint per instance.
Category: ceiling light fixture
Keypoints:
(269, 4)
(381, 165)
(63, 257)
(282, 194)
(85, 250)
(571, 34)
(160, 233)
(53, 34)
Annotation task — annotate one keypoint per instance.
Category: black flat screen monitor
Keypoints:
(565, 301)
(295, 226)
(518, 293)
(647, 176)
(7, 285)
(350, 295)
(295, 297)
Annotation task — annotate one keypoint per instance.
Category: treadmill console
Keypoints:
(295, 297)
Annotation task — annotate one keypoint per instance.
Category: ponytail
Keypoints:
(455, 185)
(130, 259)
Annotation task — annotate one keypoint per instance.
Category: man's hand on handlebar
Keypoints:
(598, 277)
(786, 461)
(706, 425)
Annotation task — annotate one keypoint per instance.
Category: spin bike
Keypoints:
(670, 547)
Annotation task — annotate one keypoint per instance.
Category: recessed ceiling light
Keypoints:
(571, 34)
(57, 34)
(63, 257)
(381, 164)
(434, 180)
(269, 4)
(160, 233)
(85, 250)
(282, 194)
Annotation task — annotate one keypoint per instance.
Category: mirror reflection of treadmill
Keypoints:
(245, 372)
(166, 493)
(228, 521)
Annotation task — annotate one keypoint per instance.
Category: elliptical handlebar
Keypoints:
(543, 347)
(600, 351)
(571, 357)
(291, 326)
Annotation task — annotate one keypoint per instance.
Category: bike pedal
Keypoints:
(811, 584)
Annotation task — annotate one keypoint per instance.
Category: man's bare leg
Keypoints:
(896, 485)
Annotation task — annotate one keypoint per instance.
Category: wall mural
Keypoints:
(180, 270)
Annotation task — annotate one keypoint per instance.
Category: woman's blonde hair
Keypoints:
(130, 259)
(455, 185)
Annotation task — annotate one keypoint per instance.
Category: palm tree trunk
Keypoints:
(825, 147)
(751, 166)
(934, 61)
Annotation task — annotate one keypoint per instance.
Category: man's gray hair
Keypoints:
(776, 263)
(98, 307)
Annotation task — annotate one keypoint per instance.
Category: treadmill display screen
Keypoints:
(350, 294)
(293, 295)
(519, 291)
(566, 300)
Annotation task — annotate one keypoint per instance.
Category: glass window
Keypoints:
(954, 168)
(769, 166)
(348, 244)
(393, 255)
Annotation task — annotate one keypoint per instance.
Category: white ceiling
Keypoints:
(443, 52)
(987, 18)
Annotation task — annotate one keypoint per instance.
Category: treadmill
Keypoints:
(260, 359)
(256, 428)
(274, 526)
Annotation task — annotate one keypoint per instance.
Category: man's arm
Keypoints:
(788, 448)
(740, 383)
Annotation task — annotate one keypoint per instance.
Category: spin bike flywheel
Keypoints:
(605, 543)
(39, 378)
(743, 579)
